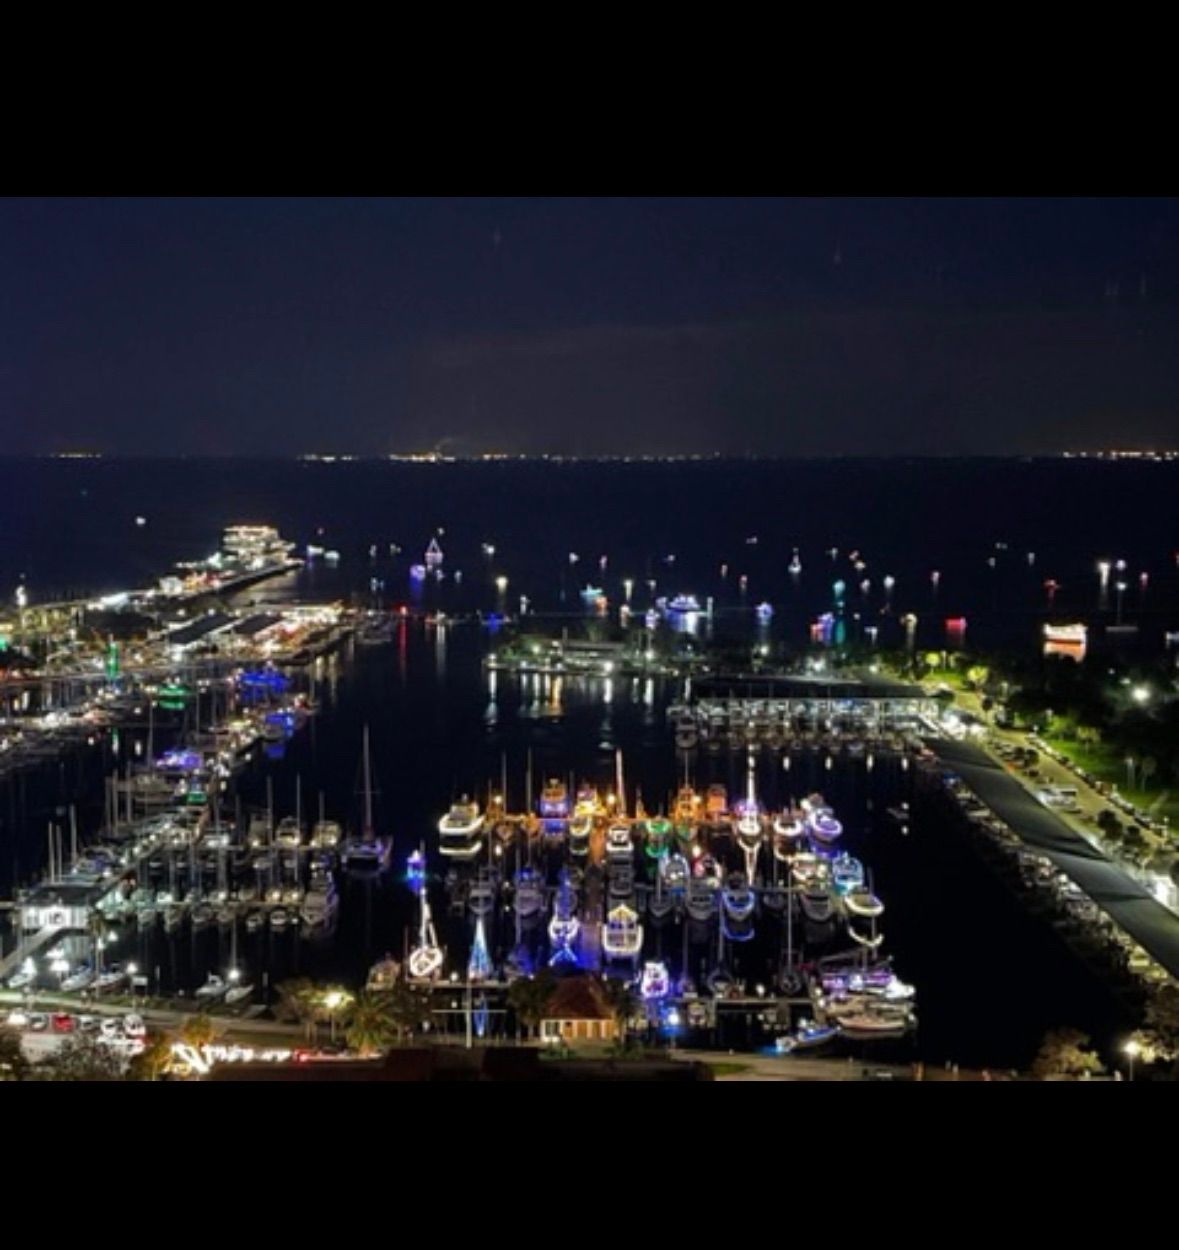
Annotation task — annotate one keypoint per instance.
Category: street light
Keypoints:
(333, 1000)
(1133, 1049)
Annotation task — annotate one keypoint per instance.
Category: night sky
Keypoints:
(776, 327)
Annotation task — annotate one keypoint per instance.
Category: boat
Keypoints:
(619, 846)
(173, 915)
(869, 1024)
(737, 904)
(788, 831)
(870, 941)
(214, 987)
(700, 900)
(426, 958)
(320, 903)
(806, 868)
(368, 852)
(481, 895)
(433, 557)
(807, 1036)
(288, 834)
(581, 826)
(255, 920)
(687, 733)
(707, 869)
(239, 993)
(383, 975)
(716, 807)
(622, 935)
(528, 898)
(825, 829)
(675, 873)
(203, 915)
(862, 902)
(682, 605)
(479, 965)
(564, 926)
(658, 831)
(459, 830)
(655, 981)
(816, 902)
(279, 918)
(620, 875)
(685, 816)
(554, 801)
(325, 836)
(80, 979)
(847, 873)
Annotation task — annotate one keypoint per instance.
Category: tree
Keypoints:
(298, 1003)
(152, 1062)
(14, 1066)
(81, 1058)
(624, 1002)
(370, 1029)
(1065, 1053)
(198, 1031)
(1162, 1019)
(408, 1008)
(529, 996)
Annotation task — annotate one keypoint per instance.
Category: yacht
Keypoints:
(279, 918)
(622, 935)
(214, 987)
(554, 801)
(383, 975)
(325, 836)
(459, 830)
(655, 981)
(685, 816)
(700, 900)
(807, 1036)
(619, 846)
(847, 873)
(737, 904)
(675, 873)
(716, 807)
(817, 904)
(239, 993)
(368, 852)
(529, 893)
(861, 902)
(320, 903)
(288, 834)
(687, 733)
(658, 830)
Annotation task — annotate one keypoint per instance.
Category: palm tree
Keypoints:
(370, 1028)
(408, 1008)
(153, 1060)
(529, 996)
(623, 1002)
(298, 1000)
(198, 1031)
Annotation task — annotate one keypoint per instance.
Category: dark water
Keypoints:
(990, 980)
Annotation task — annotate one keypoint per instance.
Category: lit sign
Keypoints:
(200, 1059)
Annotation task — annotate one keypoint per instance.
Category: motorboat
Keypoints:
(215, 987)
(481, 895)
(622, 935)
(737, 904)
(817, 903)
(707, 869)
(716, 807)
(870, 941)
(788, 831)
(619, 845)
(320, 903)
(700, 900)
(807, 1036)
(459, 830)
(806, 868)
(581, 826)
(528, 898)
(554, 801)
(383, 975)
(203, 915)
(80, 979)
(862, 902)
(658, 832)
(655, 981)
(674, 873)
(239, 993)
(288, 834)
(279, 918)
(255, 920)
(620, 880)
(683, 605)
(685, 816)
(867, 1024)
(325, 836)
(847, 873)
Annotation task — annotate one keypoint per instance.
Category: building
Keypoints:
(578, 1012)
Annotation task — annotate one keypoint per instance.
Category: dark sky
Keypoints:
(802, 327)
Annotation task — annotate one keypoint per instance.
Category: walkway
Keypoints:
(1127, 902)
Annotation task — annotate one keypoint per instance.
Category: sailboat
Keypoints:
(367, 852)
(425, 960)
(748, 826)
(564, 927)
(479, 965)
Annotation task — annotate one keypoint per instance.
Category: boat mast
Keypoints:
(368, 793)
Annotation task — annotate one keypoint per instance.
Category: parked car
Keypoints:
(63, 1022)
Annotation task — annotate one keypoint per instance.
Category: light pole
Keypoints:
(333, 1001)
(1121, 589)
(1133, 1049)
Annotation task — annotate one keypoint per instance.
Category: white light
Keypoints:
(1140, 694)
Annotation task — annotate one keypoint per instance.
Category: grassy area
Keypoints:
(1110, 765)
(727, 1069)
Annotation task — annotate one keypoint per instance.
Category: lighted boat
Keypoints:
(481, 895)
(564, 926)
(861, 902)
(716, 806)
(320, 904)
(326, 835)
(675, 873)
(737, 904)
(618, 842)
(870, 941)
(384, 974)
(459, 830)
(529, 893)
(765, 611)
(366, 852)
(700, 899)
(288, 834)
(817, 903)
(847, 873)
(686, 733)
(479, 964)
(807, 1036)
(682, 605)
(707, 869)
(622, 935)
(279, 918)
(806, 868)
(685, 815)
(255, 920)
(655, 982)
(581, 826)
(554, 801)
(658, 832)
(621, 880)
(425, 960)
(825, 829)
(433, 557)
(869, 1024)
(789, 831)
